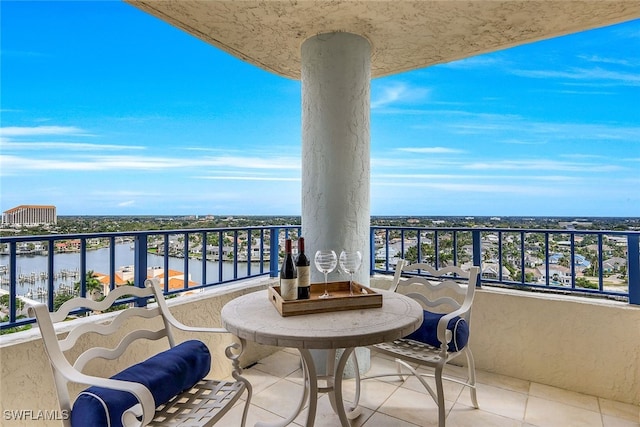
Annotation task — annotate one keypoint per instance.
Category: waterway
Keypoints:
(66, 268)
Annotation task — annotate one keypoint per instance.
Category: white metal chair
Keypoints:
(446, 296)
(201, 403)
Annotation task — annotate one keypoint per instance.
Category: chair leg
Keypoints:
(471, 366)
(399, 365)
(237, 374)
(420, 378)
(440, 393)
(245, 412)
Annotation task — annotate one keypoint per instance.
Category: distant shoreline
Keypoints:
(486, 217)
(79, 224)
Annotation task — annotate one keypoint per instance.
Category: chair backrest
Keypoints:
(61, 349)
(440, 291)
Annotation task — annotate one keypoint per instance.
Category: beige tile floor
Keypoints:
(504, 401)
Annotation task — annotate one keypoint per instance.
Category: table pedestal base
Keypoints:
(333, 387)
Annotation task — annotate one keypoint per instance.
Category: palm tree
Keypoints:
(93, 285)
(4, 302)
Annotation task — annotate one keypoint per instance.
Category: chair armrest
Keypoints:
(444, 334)
(164, 308)
(233, 353)
(398, 273)
(178, 325)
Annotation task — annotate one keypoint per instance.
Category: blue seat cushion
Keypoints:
(428, 331)
(166, 374)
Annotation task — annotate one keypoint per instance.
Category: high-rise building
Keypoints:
(30, 215)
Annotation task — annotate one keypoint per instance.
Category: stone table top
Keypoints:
(253, 317)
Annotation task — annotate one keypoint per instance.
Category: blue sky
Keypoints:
(106, 110)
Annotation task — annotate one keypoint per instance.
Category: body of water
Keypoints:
(66, 268)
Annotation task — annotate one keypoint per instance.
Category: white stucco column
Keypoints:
(336, 76)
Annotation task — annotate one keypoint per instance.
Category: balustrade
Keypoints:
(592, 263)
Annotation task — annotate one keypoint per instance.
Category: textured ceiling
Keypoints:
(404, 34)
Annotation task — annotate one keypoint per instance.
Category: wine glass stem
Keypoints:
(325, 283)
(351, 284)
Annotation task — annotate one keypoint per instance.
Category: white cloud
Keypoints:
(581, 156)
(476, 124)
(431, 150)
(398, 92)
(495, 168)
(480, 61)
(474, 178)
(606, 60)
(41, 130)
(248, 178)
(390, 94)
(70, 146)
(522, 142)
(413, 176)
(469, 187)
(127, 194)
(551, 165)
(247, 162)
(584, 74)
(14, 164)
(413, 162)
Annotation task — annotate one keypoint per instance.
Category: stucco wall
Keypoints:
(586, 345)
(27, 382)
(590, 346)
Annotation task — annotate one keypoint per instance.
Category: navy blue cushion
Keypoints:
(166, 374)
(428, 331)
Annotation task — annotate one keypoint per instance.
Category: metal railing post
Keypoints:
(13, 281)
(235, 254)
(185, 262)
(477, 253)
(274, 249)
(220, 258)
(140, 265)
(112, 263)
(436, 250)
(204, 257)
(83, 267)
(633, 268)
(51, 278)
(372, 250)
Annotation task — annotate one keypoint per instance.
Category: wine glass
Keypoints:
(350, 263)
(326, 262)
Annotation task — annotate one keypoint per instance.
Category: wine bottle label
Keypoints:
(303, 276)
(303, 282)
(289, 289)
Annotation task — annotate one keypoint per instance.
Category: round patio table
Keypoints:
(253, 317)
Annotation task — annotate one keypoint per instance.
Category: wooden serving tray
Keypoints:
(362, 297)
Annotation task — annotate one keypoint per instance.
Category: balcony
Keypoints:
(504, 401)
(544, 357)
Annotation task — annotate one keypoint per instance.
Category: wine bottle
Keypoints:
(302, 265)
(288, 276)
